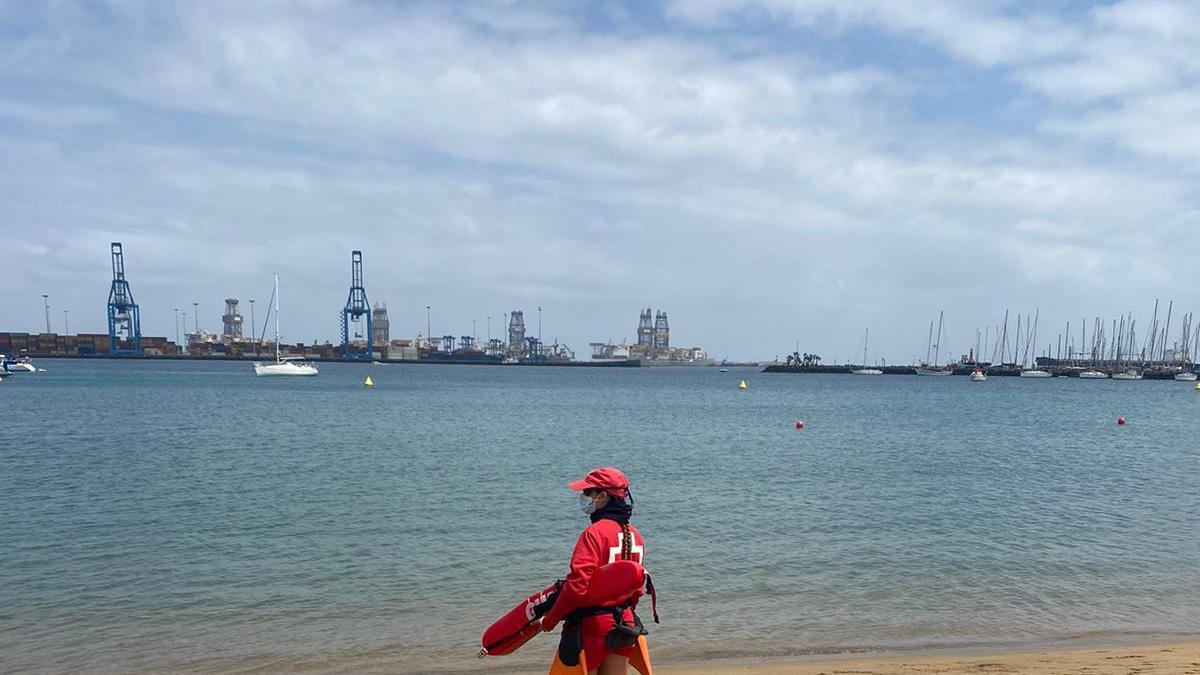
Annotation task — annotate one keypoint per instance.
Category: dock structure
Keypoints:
(645, 332)
(231, 321)
(124, 318)
(516, 333)
(380, 326)
(356, 311)
(662, 334)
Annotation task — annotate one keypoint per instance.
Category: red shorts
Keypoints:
(592, 630)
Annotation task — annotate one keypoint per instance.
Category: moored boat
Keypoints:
(1093, 375)
(283, 366)
(1185, 376)
(1035, 373)
(866, 370)
(20, 365)
(934, 370)
(978, 375)
(1128, 374)
(288, 365)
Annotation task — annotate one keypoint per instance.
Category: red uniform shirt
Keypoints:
(598, 545)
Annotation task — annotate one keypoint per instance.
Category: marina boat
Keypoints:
(978, 375)
(1185, 376)
(288, 365)
(1093, 375)
(21, 365)
(935, 369)
(283, 366)
(1035, 373)
(1128, 374)
(866, 370)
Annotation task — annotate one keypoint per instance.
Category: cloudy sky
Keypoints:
(765, 172)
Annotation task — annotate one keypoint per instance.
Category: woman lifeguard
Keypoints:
(606, 637)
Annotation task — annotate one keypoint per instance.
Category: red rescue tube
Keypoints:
(611, 585)
(614, 583)
(520, 625)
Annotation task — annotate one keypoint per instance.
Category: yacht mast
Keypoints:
(937, 346)
(276, 318)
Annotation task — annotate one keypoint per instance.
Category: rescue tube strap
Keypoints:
(653, 598)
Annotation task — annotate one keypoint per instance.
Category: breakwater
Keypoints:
(1161, 373)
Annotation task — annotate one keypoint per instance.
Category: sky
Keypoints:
(771, 173)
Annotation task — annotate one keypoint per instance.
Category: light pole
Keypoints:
(539, 324)
(66, 322)
(46, 300)
(253, 332)
(184, 324)
(176, 325)
(428, 333)
(196, 316)
(489, 330)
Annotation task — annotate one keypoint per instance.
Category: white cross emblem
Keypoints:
(635, 551)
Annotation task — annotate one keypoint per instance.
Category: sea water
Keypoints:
(179, 516)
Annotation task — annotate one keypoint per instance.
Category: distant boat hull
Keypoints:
(936, 372)
(1127, 375)
(668, 363)
(1035, 373)
(978, 376)
(1093, 375)
(1185, 377)
(19, 366)
(867, 371)
(284, 369)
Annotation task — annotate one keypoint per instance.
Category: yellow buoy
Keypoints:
(368, 383)
(742, 384)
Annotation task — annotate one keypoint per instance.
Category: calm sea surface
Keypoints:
(189, 517)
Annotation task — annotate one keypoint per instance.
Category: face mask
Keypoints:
(588, 504)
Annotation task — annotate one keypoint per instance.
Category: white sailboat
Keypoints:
(290, 365)
(865, 370)
(19, 365)
(1185, 376)
(978, 375)
(935, 370)
(1093, 375)
(1128, 374)
(1034, 371)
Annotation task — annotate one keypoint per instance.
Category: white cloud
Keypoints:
(497, 156)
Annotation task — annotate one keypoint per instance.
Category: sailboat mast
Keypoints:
(937, 346)
(929, 343)
(1036, 315)
(1166, 331)
(277, 318)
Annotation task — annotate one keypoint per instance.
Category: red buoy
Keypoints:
(799, 424)
(1120, 421)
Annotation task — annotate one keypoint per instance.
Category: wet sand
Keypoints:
(1175, 658)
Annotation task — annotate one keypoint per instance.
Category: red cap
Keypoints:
(606, 478)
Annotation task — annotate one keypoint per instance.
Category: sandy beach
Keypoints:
(1175, 658)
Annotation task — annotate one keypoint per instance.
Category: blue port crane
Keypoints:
(124, 321)
(356, 309)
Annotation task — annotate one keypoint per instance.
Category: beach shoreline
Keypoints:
(1101, 658)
